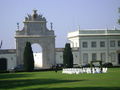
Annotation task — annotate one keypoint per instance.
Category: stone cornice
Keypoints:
(33, 36)
(92, 35)
(33, 21)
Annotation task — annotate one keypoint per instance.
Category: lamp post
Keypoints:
(119, 16)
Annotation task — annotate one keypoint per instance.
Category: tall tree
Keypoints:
(28, 58)
(67, 56)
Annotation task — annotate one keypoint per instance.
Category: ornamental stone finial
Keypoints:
(34, 14)
(34, 11)
(51, 24)
(17, 26)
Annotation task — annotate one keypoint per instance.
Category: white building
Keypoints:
(87, 45)
(7, 59)
(59, 55)
(96, 45)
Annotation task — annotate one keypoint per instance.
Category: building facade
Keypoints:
(96, 44)
(7, 59)
(87, 45)
(35, 31)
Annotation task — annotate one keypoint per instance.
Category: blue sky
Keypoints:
(66, 16)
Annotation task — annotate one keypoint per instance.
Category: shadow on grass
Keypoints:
(10, 84)
(21, 83)
(80, 88)
(12, 75)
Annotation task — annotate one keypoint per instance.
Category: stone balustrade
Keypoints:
(84, 70)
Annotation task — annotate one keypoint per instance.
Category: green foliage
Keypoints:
(108, 64)
(67, 56)
(28, 58)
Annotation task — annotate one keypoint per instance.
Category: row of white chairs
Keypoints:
(83, 70)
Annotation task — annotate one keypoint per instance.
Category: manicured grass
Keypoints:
(58, 81)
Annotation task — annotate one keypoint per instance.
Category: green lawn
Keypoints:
(58, 81)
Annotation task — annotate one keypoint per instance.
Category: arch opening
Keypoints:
(38, 56)
(3, 64)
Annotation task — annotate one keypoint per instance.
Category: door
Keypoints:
(119, 58)
(3, 64)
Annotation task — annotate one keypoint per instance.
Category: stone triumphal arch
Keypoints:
(36, 31)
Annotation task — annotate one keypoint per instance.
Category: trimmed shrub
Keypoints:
(108, 64)
(87, 65)
(67, 56)
(28, 58)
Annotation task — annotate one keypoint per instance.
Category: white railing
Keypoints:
(83, 70)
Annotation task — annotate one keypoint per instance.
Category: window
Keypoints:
(76, 44)
(93, 44)
(85, 58)
(85, 45)
(102, 55)
(61, 57)
(112, 43)
(112, 57)
(76, 56)
(102, 44)
(11, 58)
(94, 57)
(118, 43)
